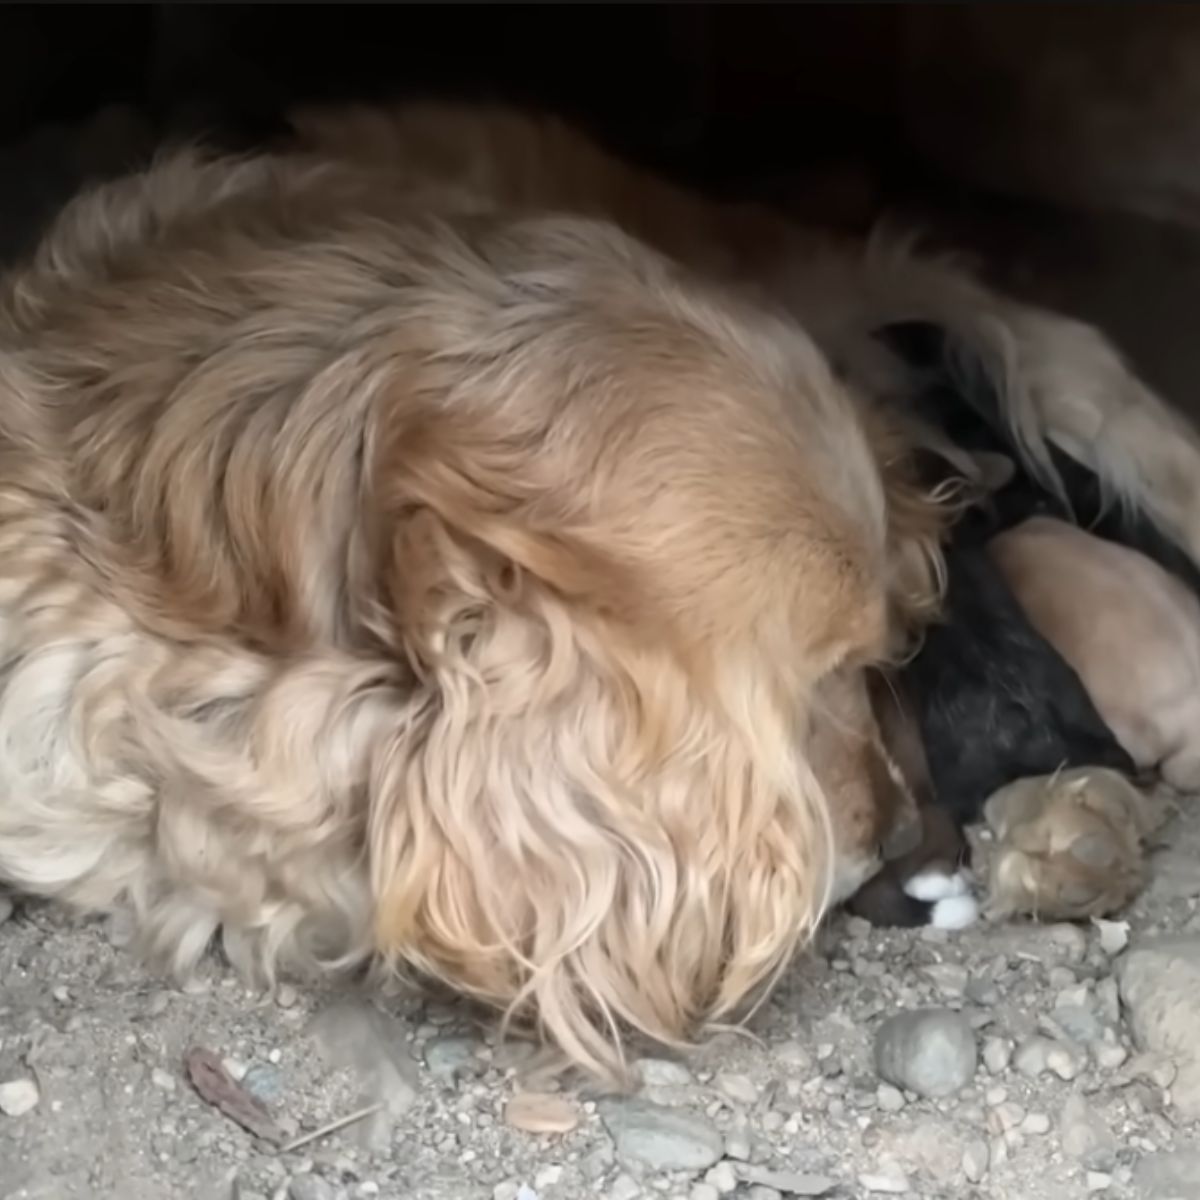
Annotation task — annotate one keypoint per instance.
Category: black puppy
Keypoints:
(992, 699)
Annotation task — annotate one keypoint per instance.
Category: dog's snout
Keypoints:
(903, 837)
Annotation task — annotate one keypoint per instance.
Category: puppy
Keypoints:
(1128, 628)
(444, 591)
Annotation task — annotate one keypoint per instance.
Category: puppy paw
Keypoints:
(951, 904)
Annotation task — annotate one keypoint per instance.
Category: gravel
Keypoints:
(1066, 1078)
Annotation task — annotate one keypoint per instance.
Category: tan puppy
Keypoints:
(1130, 630)
(441, 591)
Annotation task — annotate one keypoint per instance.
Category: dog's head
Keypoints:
(622, 527)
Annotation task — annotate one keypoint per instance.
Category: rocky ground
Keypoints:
(1011, 1060)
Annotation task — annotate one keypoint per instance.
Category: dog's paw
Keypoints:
(1068, 846)
(951, 904)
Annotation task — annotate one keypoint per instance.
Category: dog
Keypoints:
(1060, 387)
(1129, 629)
(401, 585)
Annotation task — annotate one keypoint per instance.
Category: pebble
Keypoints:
(975, 1160)
(663, 1072)
(997, 1054)
(540, 1112)
(18, 1097)
(310, 1187)
(890, 1099)
(448, 1058)
(794, 1183)
(661, 1138)
(723, 1178)
(759, 1192)
(1159, 982)
(739, 1088)
(162, 1079)
(1036, 1124)
(1109, 1055)
(892, 1185)
(1066, 1060)
(286, 996)
(1098, 1181)
(737, 1145)
(547, 1177)
(704, 1191)
(263, 1082)
(624, 1187)
(1084, 1135)
(1030, 1058)
(929, 1051)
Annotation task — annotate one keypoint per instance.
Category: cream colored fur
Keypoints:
(386, 584)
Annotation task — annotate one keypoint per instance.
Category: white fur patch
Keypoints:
(932, 886)
(955, 912)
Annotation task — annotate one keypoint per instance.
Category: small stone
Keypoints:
(723, 1178)
(793, 1183)
(949, 978)
(506, 1191)
(1066, 1060)
(286, 996)
(663, 1072)
(760, 1192)
(975, 1160)
(928, 1051)
(61, 994)
(997, 1054)
(624, 1187)
(704, 1191)
(1085, 1136)
(540, 1112)
(1069, 941)
(995, 1096)
(162, 1079)
(275, 1056)
(1098, 1181)
(739, 1088)
(661, 1138)
(547, 1177)
(1109, 1055)
(1030, 1057)
(18, 1097)
(1036, 1124)
(235, 1067)
(888, 1184)
(1061, 977)
(737, 1145)
(448, 1058)
(310, 1187)
(264, 1083)
(890, 1099)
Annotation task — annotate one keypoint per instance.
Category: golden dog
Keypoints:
(383, 582)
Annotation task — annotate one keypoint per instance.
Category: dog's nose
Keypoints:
(903, 837)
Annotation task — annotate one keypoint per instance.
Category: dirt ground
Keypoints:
(1064, 1101)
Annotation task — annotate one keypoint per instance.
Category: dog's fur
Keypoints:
(1059, 381)
(1130, 630)
(448, 591)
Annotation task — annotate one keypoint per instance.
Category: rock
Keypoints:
(890, 1099)
(792, 1183)
(1036, 1124)
(1078, 1022)
(949, 978)
(739, 1088)
(929, 1051)
(662, 1072)
(286, 996)
(1159, 982)
(264, 1083)
(1109, 1055)
(548, 1177)
(540, 1112)
(310, 1187)
(624, 1187)
(723, 1178)
(975, 1160)
(737, 1145)
(1169, 1174)
(887, 1184)
(759, 1192)
(1030, 1058)
(704, 1191)
(1097, 1181)
(661, 1138)
(449, 1058)
(997, 1054)
(163, 1080)
(1066, 1060)
(18, 1097)
(1084, 1135)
